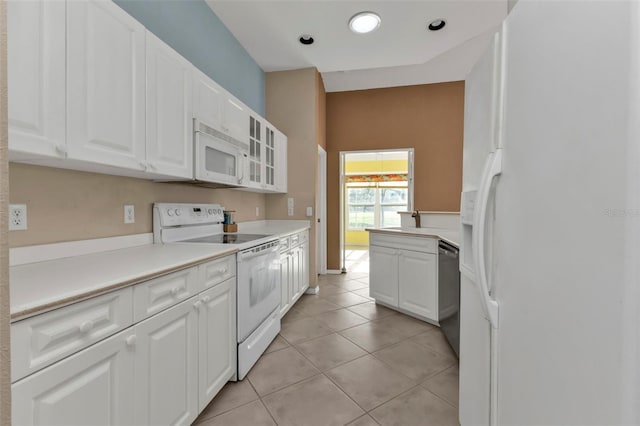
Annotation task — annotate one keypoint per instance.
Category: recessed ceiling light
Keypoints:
(306, 39)
(437, 24)
(364, 22)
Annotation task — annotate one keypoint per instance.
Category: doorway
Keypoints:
(374, 187)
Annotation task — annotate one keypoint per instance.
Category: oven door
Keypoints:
(218, 160)
(258, 287)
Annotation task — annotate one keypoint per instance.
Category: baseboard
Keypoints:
(333, 272)
(312, 290)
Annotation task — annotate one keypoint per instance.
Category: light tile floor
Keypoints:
(341, 359)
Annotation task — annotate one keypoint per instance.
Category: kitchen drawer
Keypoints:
(41, 340)
(299, 238)
(423, 244)
(153, 296)
(217, 271)
(285, 244)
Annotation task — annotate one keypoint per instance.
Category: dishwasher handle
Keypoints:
(447, 250)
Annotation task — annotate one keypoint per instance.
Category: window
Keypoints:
(375, 204)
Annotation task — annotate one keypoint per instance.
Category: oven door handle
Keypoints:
(250, 254)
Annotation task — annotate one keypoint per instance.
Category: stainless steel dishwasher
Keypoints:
(449, 294)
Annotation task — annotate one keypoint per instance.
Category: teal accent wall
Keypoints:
(196, 32)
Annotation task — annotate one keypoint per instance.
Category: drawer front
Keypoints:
(217, 271)
(39, 341)
(285, 244)
(156, 295)
(423, 244)
(295, 240)
(303, 237)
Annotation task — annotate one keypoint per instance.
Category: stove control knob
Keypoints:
(178, 212)
(169, 212)
(210, 211)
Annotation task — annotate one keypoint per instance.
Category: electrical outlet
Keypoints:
(257, 211)
(17, 217)
(290, 211)
(129, 214)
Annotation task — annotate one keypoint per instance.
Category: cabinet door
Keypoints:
(255, 152)
(285, 283)
(296, 273)
(105, 85)
(281, 162)
(217, 342)
(208, 98)
(418, 283)
(383, 274)
(36, 77)
(93, 387)
(303, 255)
(166, 387)
(269, 161)
(234, 119)
(169, 148)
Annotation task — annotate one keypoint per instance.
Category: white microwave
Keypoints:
(218, 158)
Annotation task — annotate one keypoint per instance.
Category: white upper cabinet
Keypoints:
(217, 108)
(36, 78)
(234, 118)
(208, 98)
(267, 156)
(169, 110)
(105, 85)
(255, 152)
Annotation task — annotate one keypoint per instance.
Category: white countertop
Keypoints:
(451, 236)
(42, 286)
(38, 287)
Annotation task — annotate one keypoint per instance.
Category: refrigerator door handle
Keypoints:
(493, 168)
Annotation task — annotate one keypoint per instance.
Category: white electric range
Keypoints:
(258, 270)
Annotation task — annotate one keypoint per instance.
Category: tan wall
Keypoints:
(5, 350)
(292, 106)
(66, 205)
(428, 118)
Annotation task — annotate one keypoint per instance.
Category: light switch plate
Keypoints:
(309, 211)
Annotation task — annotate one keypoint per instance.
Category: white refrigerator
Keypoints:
(550, 250)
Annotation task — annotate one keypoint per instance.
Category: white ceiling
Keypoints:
(401, 52)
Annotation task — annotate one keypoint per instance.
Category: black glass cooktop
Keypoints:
(227, 238)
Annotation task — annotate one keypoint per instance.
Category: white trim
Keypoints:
(343, 202)
(321, 211)
(312, 290)
(334, 271)
(44, 252)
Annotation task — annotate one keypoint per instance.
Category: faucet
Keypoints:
(416, 216)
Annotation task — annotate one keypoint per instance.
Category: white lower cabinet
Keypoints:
(166, 376)
(217, 347)
(403, 274)
(285, 282)
(418, 283)
(163, 369)
(92, 387)
(383, 274)
(294, 269)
